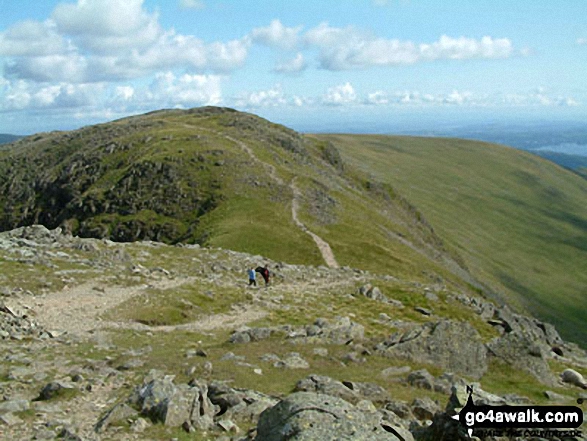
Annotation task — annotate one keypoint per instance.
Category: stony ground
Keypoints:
(145, 341)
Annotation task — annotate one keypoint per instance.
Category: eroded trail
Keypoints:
(79, 310)
(323, 246)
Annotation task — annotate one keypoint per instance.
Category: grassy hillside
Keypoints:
(519, 222)
(459, 214)
(220, 178)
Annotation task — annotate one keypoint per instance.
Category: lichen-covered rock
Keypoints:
(306, 416)
(452, 346)
(523, 353)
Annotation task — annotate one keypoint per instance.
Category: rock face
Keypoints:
(524, 353)
(307, 416)
(453, 346)
(161, 400)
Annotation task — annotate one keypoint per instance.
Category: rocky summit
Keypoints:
(146, 341)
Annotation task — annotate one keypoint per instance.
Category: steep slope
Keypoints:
(222, 178)
(519, 222)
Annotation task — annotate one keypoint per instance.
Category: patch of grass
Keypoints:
(502, 379)
(180, 305)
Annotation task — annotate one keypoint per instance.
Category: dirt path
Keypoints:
(323, 246)
(77, 311)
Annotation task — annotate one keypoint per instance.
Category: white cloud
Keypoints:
(339, 95)
(293, 66)
(349, 48)
(31, 38)
(276, 35)
(466, 48)
(379, 97)
(191, 4)
(21, 94)
(458, 98)
(108, 26)
(124, 93)
(273, 97)
(59, 67)
(168, 90)
(582, 41)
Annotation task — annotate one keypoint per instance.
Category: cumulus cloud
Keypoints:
(277, 35)
(379, 97)
(21, 94)
(59, 67)
(273, 97)
(107, 26)
(465, 48)
(339, 95)
(109, 40)
(171, 90)
(293, 66)
(31, 38)
(191, 4)
(349, 48)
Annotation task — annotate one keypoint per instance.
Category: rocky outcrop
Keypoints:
(350, 391)
(307, 416)
(523, 352)
(453, 346)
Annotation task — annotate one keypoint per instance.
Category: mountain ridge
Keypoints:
(219, 177)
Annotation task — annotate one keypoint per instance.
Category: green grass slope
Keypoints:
(519, 222)
(219, 178)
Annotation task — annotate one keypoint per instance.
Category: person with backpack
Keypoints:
(252, 278)
(264, 271)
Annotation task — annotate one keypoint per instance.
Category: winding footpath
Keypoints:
(322, 245)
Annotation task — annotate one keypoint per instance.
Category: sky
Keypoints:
(328, 65)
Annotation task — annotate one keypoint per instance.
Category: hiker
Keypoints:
(252, 280)
(264, 272)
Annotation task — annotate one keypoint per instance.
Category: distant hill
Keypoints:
(5, 138)
(519, 221)
(467, 215)
(572, 162)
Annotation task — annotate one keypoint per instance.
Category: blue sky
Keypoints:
(313, 65)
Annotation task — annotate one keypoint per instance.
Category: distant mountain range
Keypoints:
(6, 138)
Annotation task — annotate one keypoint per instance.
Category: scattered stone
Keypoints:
(321, 352)
(119, 413)
(140, 425)
(292, 361)
(573, 377)
(53, 389)
(14, 406)
(9, 419)
(68, 435)
(423, 311)
(421, 379)
(553, 396)
(424, 408)
(228, 426)
(394, 371)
